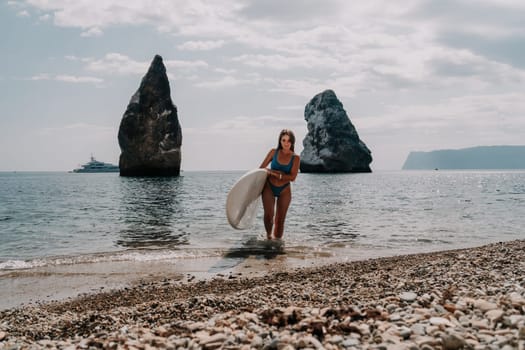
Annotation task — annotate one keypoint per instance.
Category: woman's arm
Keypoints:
(293, 172)
(268, 159)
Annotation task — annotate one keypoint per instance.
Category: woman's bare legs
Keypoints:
(268, 200)
(283, 202)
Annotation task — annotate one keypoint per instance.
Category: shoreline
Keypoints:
(51, 282)
(471, 298)
(59, 283)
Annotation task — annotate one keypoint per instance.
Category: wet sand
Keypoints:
(55, 283)
(23, 287)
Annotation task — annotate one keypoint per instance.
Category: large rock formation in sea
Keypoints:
(332, 144)
(150, 136)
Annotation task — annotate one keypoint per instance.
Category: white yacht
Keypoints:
(94, 166)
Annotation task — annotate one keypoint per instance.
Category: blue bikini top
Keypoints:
(287, 169)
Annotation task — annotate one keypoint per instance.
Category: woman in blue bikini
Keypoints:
(284, 165)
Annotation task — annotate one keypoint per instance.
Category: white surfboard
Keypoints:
(243, 199)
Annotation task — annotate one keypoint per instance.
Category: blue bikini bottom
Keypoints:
(277, 189)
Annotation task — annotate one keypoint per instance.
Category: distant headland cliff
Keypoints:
(482, 157)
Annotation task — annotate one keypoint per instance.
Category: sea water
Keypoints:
(68, 218)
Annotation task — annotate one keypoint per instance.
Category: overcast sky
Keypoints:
(412, 75)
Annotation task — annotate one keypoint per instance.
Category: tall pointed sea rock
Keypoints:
(332, 144)
(150, 136)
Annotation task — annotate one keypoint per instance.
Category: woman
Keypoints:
(284, 165)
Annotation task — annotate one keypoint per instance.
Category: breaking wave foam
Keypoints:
(133, 256)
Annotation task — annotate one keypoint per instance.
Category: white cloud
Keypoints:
(512, 4)
(67, 78)
(41, 76)
(291, 108)
(203, 45)
(23, 13)
(78, 127)
(254, 123)
(116, 63)
(281, 62)
(375, 37)
(305, 88)
(192, 16)
(487, 19)
(119, 64)
(226, 82)
(78, 79)
(468, 114)
(178, 64)
(225, 71)
(92, 32)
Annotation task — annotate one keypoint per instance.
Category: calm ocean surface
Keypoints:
(66, 218)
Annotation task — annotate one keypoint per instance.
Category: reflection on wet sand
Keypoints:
(264, 248)
(251, 248)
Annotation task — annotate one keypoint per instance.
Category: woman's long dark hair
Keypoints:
(290, 135)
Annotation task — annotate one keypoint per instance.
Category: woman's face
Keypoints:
(285, 142)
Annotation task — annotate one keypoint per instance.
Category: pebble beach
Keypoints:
(458, 299)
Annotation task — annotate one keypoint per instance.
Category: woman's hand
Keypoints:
(274, 173)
